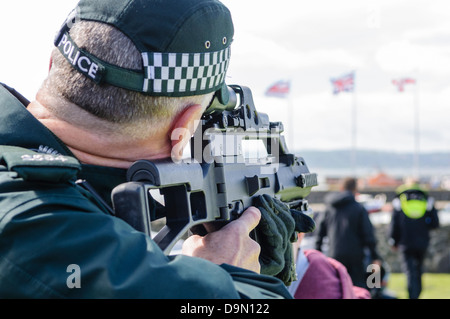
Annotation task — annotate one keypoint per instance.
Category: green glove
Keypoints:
(275, 232)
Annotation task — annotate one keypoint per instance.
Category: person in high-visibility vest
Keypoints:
(414, 215)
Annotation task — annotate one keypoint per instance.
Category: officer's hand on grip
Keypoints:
(231, 244)
(276, 231)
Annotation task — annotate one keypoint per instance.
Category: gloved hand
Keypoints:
(275, 232)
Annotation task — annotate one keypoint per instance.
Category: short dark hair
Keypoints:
(349, 184)
(104, 101)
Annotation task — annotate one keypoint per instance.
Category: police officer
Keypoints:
(414, 215)
(124, 76)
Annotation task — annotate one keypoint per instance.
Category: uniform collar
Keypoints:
(20, 128)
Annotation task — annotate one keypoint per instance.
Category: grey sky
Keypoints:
(307, 42)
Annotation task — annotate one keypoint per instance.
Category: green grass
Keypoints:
(434, 286)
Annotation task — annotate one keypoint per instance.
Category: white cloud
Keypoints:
(258, 51)
(309, 42)
(406, 57)
(27, 32)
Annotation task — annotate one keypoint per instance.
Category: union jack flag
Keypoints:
(400, 83)
(345, 83)
(279, 89)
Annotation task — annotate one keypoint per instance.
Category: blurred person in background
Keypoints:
(414, 215)
(349, 230)
(322, 277)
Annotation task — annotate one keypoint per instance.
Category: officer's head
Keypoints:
(139, 63)
(413, 199)
(349, 184)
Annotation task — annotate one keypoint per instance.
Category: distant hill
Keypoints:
(370, 161)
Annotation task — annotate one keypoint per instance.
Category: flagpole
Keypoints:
(290, 111)
(416, 169)
(416, 120)
(353, 133)
(282, 89)
(346, 83)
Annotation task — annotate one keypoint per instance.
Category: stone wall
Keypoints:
(438, 255)
(317, 196)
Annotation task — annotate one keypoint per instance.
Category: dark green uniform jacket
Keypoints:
(57, 241)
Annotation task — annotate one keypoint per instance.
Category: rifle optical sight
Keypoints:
(216, 107)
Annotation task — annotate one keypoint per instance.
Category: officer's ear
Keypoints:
(183, 127)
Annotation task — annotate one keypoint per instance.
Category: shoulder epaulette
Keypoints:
(34, 166)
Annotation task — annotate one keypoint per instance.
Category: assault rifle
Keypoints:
(217, 183)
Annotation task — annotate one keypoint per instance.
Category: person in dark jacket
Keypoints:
(414, 215)
(347, 226)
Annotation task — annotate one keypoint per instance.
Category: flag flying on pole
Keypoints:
(345, 83)
(400, 83)
(279, 89)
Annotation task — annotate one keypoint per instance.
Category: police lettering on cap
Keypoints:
(78, 58)
(185, 45)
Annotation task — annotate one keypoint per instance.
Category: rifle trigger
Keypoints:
(277, 183)
(252, 185)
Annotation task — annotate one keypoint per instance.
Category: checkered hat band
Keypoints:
(184, 73)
